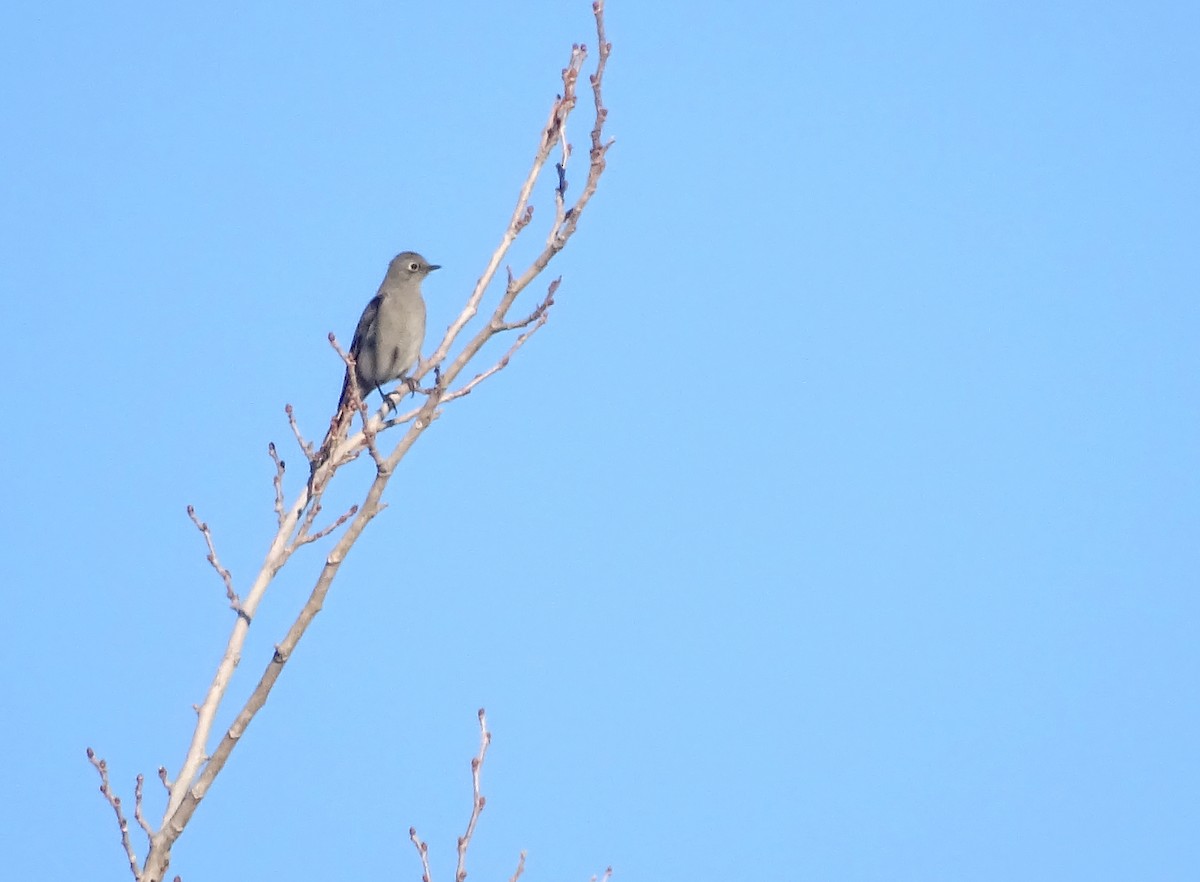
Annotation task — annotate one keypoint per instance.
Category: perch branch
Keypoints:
(199, 768)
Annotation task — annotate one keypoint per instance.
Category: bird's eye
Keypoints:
(413, 267)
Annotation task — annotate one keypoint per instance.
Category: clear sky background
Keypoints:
(842, 524)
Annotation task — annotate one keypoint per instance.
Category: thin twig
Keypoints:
(499, 365)
(520, 868)
(478, 802)
(115, 802)
(522, 212)
(304, 540)
(546, 303)
(305, 447)
(423, 851)
(279, 468)
(137, 807)
(234, 602)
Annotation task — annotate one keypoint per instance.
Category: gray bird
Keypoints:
(386, 345)
(387, 342)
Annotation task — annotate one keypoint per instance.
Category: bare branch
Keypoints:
(522, 214)
(200, 767)
(541, 314)
(115, 802)
(234, 603)
(478, 802)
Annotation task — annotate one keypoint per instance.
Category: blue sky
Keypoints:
(841, 524)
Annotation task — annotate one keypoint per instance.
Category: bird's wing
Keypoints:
(364, 338)
(367, 326)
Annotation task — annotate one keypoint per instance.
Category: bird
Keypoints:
(386, 345)
(387, 342)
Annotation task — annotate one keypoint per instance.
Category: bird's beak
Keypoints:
(434, 266)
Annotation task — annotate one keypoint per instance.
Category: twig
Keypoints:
(279, 467)
(234, 602)
(477, 804)
(137, 807)
(403, 418)
(305, 447)
(115, 802)
(369, 432)
(499, 365)
(546, 303)
(304, 540)
(523, 220)
(521, 215)
(423, 851)
(520, 868)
